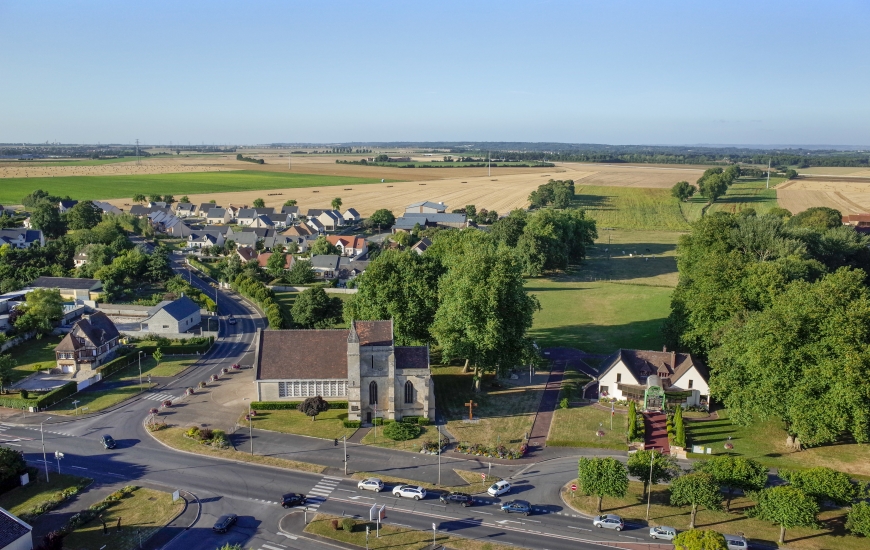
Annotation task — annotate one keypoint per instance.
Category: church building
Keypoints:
(360, 365)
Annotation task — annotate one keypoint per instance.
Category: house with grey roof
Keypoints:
(680, 378)
(71, 288)
(92, 342)
(351, 215)
(175, 317)
(21, 237)
(409, 220)
(203, 208)
(362, 365)
(292, 211)
(108, 208)
(421, 246)
(14, 533)
(200, 238)
(426, 207)
(331, 219)
(65, 205)
(218, 216)
(246, 216)
(139, 210)
(315, 224)
(280, 220)
(325, 266)
(262, 221)
(185, 209)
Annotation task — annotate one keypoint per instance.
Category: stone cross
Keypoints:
(470, 404)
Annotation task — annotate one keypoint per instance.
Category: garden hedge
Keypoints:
(290, 405)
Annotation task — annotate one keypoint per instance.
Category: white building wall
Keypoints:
(609, 380)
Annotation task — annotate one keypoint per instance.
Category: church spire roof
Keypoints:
(352, 336)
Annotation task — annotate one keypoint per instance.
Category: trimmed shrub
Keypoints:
(400, 431)
(563, 404)
(347, 524)
(423, 421)
(352, 423)
(291, 405)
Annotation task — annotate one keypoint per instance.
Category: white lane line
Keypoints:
(12, 444)
(330, 477)
(579, 528)
(78, 467)
(346, 490)
(293, 537)
(116, 475)
(270, 547)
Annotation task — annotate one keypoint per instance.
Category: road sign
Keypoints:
(483, 477)
(175, 495)
(573, 487)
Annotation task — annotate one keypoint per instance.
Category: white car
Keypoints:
(371, 484)
(409, 491)
(499, 488)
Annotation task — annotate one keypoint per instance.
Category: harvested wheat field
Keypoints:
(836, 171)
(848, 196)
(630, 175)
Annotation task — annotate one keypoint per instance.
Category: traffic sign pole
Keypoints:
(573, 489)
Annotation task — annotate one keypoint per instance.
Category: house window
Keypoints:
(409, 392)
(691, 383)
(373, 393)
(618, 377)
(604, 391)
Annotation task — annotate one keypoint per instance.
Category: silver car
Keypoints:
(662, 533)
(608, 521)
(371, 484)
(409, 491)
(736, 542)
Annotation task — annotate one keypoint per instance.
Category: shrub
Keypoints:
(205, 434)
(423, 421)
(193, 432)
(203, 384)
(563, 403)
(352, 423)
(400, 431)
(347, 524)
(334, 524)
(379, 422)
(24, 394)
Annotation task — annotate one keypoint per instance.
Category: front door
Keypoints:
(369, 417)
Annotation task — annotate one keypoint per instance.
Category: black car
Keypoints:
(108, 442)
(224, 522)
(292, 499)
(457, 498)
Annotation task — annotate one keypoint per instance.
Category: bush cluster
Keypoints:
(207, 436)
(290, 405)
(263, 297)
(402, 431)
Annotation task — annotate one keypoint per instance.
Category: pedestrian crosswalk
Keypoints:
(161, 397)
(272, 546)
(321, 491)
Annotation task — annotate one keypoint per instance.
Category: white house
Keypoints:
(246, 216)
(351, 215)
(175, 317)
(65, 205)
(349, 246)
(14, 533)
(426, 207)
(205, 237)
(21, 237)
(331, 219)
(626, 373)
(185, 209)
(315, 224)
(218, 215)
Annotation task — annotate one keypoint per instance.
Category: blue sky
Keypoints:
(593, 72)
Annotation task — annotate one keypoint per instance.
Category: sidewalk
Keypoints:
(57, 518)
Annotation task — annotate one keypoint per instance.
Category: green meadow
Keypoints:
(631, 208)
(13, 190)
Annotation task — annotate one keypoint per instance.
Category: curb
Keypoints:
(565, 502)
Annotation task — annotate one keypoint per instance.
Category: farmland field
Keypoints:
(630, 207)
(741, 195)
(849, 196)
(113, 187)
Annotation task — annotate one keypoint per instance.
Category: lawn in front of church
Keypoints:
(327, 425)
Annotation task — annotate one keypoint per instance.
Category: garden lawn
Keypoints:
(427, 433)
(630, 207)
(636, 257)
(744, 193)
(143, 513)
(173, 437)
(116, 187)
(328, 425)
(23, 500)
(765, 442)
(632, 508)
(393, 536)
(97, 400)
(504, 413)
(150, 366)
(598, 317)
(577, 427)
(32, 353)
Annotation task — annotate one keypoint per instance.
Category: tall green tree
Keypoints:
(400, 286)
(679, 428)
(154, 197)
(7, 363)
(276, 264)
(602, 477)
(632, 420)
(381, 218)
(734, 473)
(259, 203)
(322, 246)
(819, 218)
(787, 507)
(509, 229)
(682, 190)
(84, 215)
(300, 273)
(185, 199)
(313, 406)
(46, 217)
(336, 203)
(824, 484)
(700, 539)
(485, 311)
(139, 197)
(664, 468)
(290, 202)
(314, 308)
(42, 308)
(553, 239)
(695, 490)
(12, 463)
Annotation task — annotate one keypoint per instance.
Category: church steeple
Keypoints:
(352, 336)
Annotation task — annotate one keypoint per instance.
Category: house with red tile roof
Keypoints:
(361, 365)
(349, 245)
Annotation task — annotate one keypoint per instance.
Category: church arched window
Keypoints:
(373, 393)
(409, 392)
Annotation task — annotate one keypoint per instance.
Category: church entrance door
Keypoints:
(369, 417)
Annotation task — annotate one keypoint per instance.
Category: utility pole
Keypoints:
(649, 483)
(489, 162)
(345, 454)
(137, 152)
(44, 459)
(251, 428)
(768, 173)
(438, 426)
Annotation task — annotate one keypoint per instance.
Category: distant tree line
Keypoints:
(249, 159)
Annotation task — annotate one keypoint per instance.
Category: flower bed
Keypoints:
(431, 447)
(492, 452)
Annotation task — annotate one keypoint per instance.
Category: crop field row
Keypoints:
(12, 190)
(631, 207)
(741, 195)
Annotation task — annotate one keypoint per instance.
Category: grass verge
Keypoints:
(577, 427)
(31, 356)
(427, 433)
(632, 508)
(328, 425)
(173, 436)
(98, 400)
(393, 537)
(142, 514)
(28, 500)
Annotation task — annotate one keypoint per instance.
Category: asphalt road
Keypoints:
(253, 491)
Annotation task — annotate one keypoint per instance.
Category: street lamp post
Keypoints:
(438, 427)
(251, 428)
(44, 459)
(345, 454)
(140, 369)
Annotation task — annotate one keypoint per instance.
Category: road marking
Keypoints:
(112, 474)
(78, 467)
(502, 522)
(346, 490)
(293, 537)
(12, 444)
(270, 547)
(579, 528)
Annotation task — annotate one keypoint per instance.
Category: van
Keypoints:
(498, 488)
(736, 542)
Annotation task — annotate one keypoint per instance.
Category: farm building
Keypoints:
(71, 288)
(426, 207)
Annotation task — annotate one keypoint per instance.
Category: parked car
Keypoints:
(108, 442)
(499, 488)
(231, 320)
(371, 484)
(409, 491)
(292, 499)
(662, 532)
(462, 499)
(224, 523)
(609, 521)
(736, 542)
(517, 507)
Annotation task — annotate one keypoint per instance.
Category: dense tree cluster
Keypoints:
(781, 309)
(314, 308)
(557, 193)
(716, 181)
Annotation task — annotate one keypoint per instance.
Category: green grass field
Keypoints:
(598, 317)
(638, 257)
(116, 187)
(578, 427)
(286, 299)
(31, 353)
(741, 195)
(327, 425)
(631, 208)
(23, 500)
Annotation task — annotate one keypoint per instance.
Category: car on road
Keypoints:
(499, 488)
(108, 442)
(224, 523)
(609, 521)
(662, 533)
(462, 499)
(371, 484)
(231, 320)
(736, 542)
(517, 507)
(292, 499)
(409, 491)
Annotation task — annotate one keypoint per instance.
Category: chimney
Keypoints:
(673, 361)
(664, 349)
